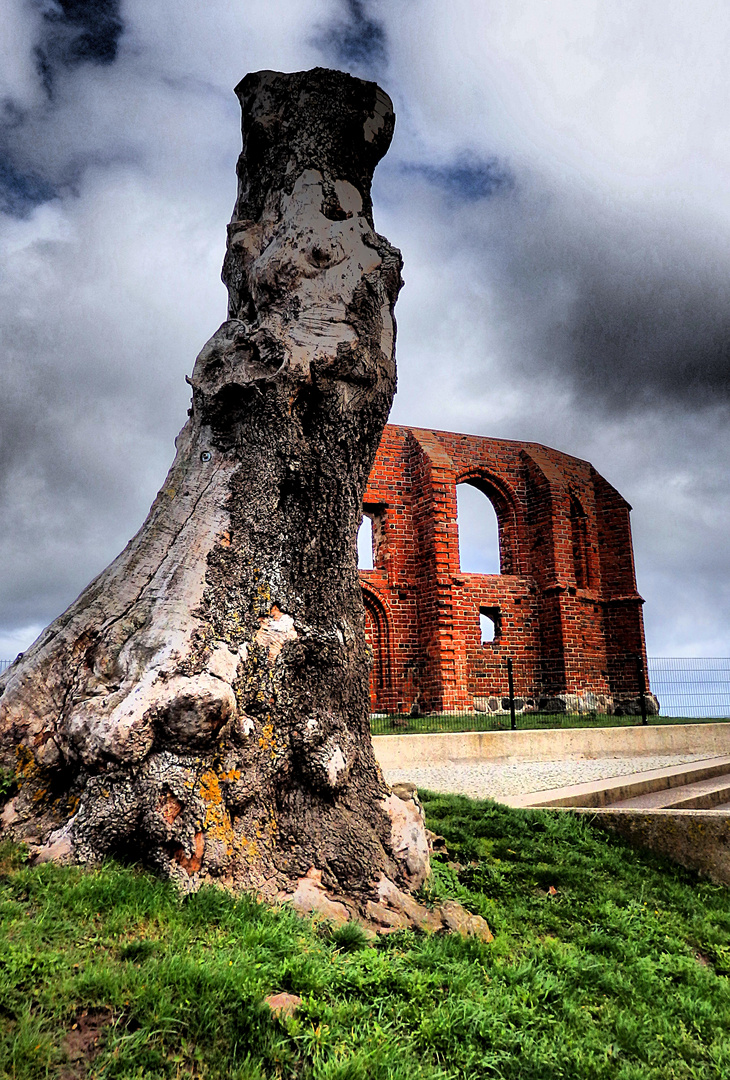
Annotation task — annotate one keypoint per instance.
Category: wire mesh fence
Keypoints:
(532, 694)
(677, 689)
(691, 688)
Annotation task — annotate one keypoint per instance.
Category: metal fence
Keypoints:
(527, 694)
(691, 688)
(685, 688)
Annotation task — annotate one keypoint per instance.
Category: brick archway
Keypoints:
(378, 631)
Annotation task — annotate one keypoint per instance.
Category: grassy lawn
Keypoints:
(418, 725)
(606, 964)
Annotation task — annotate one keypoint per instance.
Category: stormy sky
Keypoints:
(558, 184)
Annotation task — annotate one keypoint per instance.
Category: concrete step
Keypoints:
(629, 786)
(703, 795)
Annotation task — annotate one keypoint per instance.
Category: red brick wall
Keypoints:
(566, 598)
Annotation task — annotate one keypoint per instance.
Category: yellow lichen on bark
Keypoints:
(267, 739)
(217, 823)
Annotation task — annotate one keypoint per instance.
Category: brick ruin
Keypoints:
(564, 607)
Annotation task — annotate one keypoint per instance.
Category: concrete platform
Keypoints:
(624, 790)
(552, 744)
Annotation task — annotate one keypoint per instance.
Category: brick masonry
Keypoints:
(565, 605)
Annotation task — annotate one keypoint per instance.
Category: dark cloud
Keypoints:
(20, 192)
(69, 33)
(625, 313)
(356, 39)
(467, 178)
(76, 32)
(645, 324)
(650, 343)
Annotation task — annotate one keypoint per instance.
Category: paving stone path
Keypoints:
(494, 780)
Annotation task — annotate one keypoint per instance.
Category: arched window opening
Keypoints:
(365, 544)
(478, 531)
(378, 635)
(579, 536)
(490, 624)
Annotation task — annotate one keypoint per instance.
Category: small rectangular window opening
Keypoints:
(490, 624)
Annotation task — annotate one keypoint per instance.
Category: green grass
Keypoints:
(606, 965)
(418, 725)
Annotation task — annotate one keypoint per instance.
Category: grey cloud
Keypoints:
(603, 268)
(119, 185)
(76, 32)
(624, 313)
(467, 178)
(633, 316)
(80, 459)
(68, 33)
(20, 191)
(355, 39)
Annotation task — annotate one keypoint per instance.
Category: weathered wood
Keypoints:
(203, 705)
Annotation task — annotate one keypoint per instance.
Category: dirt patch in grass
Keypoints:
(81, 1042)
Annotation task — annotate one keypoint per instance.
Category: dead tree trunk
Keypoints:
(204, 703)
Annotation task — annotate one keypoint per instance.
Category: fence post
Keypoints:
(642, 687)
(511, 686)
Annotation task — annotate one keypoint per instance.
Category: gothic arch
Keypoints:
(503, 500)
(378, 627)
(579, 541)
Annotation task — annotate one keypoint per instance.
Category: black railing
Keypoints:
(529, 693)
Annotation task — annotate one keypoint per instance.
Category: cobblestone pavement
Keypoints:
(494, 780)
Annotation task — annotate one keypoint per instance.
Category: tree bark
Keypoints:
(203, 705)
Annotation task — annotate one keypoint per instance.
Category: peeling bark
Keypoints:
(203, 705)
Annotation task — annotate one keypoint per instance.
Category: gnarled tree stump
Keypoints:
(203, 705)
